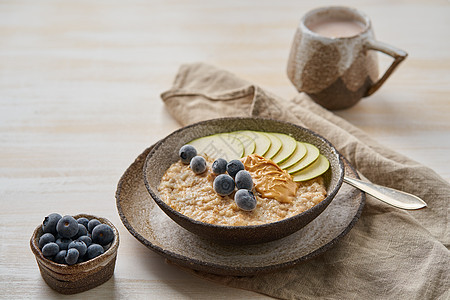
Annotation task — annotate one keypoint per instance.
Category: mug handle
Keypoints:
(397, 54)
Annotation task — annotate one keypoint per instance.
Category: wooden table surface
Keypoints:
(79, 100)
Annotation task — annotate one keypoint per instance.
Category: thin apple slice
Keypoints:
(311, 155)
(220, 145)
(248, 143)
(289, 147)
(262, 142)
(275, 146)
(317, 168)
(298, 154)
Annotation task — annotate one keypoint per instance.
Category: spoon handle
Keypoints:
(390, 196)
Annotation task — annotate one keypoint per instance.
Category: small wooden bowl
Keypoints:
(166, 152)
(80, 277)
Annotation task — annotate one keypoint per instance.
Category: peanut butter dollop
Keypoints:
(269, 179)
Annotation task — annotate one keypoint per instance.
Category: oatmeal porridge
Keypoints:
(278, 196)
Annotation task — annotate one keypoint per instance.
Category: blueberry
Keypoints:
(67, 227)
(63, 243)
(87, 240)
(223, 184)
(50, 249)
(102, 234)
(187, 152)
(45, 239)
(94, 250)
(234, 166)
(244, 180)
(49, 223)
(60, 257)
(83, 221)
(198, 164)
(245, 200)
(219, 166)
(80, 246)
(92, 223)
(72, 256)
(81, 231)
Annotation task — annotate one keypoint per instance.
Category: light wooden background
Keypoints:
(79, 100)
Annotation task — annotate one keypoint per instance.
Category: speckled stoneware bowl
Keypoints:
(166, 152)
(79, 277)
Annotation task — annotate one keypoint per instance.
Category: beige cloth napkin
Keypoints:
(390, 253)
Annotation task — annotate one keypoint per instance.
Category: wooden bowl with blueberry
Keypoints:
(75, 253)
(243, 180)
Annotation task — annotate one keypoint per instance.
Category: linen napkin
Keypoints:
(390, 253)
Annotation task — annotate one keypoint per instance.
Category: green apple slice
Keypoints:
(298, 154)
(275, 146)
(289, 147)
(220, 145)
(248, 143)
(311, 155)
(262, 142)
(317, 168)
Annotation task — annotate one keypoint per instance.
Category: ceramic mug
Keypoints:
(332, 58)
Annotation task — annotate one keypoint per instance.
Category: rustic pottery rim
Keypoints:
(367, 22)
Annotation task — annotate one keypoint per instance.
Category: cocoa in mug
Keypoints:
(333, 57)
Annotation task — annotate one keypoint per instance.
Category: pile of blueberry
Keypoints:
(188, 156)
(67, 240)
(224, 184)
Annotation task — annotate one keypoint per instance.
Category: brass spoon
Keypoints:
(390, 196)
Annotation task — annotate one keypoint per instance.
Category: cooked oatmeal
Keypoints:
(193, 195)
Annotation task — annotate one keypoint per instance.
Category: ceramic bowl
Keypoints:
(80, 277)
(166, 152)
